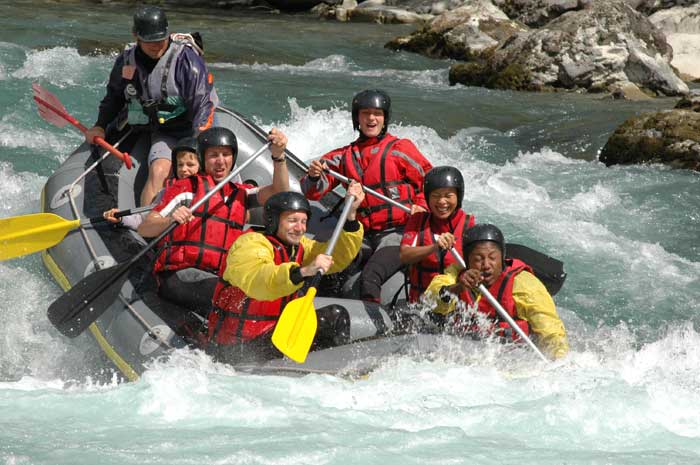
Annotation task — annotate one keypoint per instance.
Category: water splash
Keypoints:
(60, 66)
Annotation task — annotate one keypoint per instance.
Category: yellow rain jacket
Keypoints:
(250, 264)
(532, 302)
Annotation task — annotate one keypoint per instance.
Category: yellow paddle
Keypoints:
(22, 235)
(296, 327)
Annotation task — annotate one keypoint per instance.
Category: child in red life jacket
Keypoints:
(186, 163)
(429, 235)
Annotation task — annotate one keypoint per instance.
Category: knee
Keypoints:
(159, 170)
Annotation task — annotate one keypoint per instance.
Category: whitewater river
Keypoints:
(629, 392)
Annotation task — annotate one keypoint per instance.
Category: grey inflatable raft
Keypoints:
(138, 326)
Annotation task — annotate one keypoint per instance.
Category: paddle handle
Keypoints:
(499, 308)
(123, 156)
(383, 197)
(119, 214)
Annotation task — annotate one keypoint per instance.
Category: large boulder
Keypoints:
(671, 137)
(378, 11)
(649, 7)
(463, 33)
(599, 49)
(384, 14)
(681, 25)
(537, 13)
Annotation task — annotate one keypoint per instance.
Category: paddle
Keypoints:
(296, 327)
(80, 306)
(53, 111)
(547, 269)
(22, 235)
(499, 308)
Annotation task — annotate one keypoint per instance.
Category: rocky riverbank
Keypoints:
(589, 46)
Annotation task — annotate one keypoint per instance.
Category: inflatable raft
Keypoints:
(135, 325)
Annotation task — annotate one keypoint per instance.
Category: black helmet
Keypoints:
(371, 99)
(187, 144)
(216, 137)
(282, 202)
(480, 233)
(150, 24)
(444, 176)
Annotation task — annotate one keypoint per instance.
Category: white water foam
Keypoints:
(61, 66)
(11, 56)
(22, 130)
(19, 190)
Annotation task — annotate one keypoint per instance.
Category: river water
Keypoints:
(629, 392)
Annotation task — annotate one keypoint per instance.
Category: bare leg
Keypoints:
(158, 172)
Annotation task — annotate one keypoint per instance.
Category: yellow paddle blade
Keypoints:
(296, 327)
(22, 235)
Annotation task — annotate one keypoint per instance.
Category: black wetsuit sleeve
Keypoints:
(114, 100)
(295, 275)
(351, 226)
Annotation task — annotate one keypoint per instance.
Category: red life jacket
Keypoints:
(374, 168)
(204, 242)
(502, 290)
(420, 274)
(235, 317)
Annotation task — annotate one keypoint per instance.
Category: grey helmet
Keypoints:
(371, 99)
(481, 233)
(444, 176)
(150, 24)
(188, 144)
(282, 202)
(216, 137)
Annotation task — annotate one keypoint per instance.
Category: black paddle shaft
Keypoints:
(119, 214)
(85, 302)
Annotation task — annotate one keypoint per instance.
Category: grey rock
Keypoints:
(537, 13)
(649, 7)
(681, 25)
(671, 137)
(463, 33)
(385, 14)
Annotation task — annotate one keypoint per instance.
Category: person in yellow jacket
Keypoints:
(510, 281)
(264, 271)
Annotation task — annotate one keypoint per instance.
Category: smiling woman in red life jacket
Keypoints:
(394, 167)
(510, 281)
(264, 271)
(190, 257)
(429, 235)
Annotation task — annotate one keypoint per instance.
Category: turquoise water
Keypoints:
(628, 393)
